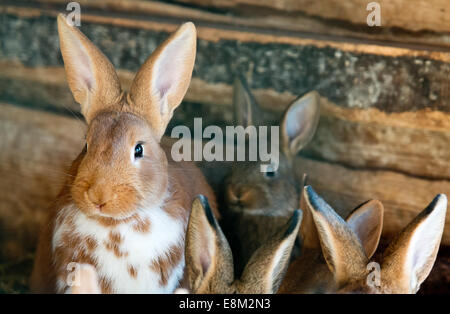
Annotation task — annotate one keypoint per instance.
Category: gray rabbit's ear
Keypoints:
(300, 123)
(245, 108)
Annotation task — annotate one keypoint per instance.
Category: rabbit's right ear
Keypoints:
(300, 123)
(408, 260)
(91, 77)
(266, 268)
(208, 255)
(164, 78)
(245, 108)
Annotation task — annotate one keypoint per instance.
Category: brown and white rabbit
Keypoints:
(126, 206)
(258, 203)
(342, 262)
(209, 261)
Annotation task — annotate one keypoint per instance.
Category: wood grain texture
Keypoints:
(414, 15)
(270, 15)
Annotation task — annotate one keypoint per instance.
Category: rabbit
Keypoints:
(209, 261)
(343, 263)
(125, 208)
(258, 203)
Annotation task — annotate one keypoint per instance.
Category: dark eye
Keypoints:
(270, 174)
(138, 151)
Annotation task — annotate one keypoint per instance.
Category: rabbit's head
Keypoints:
(249, 189)
(345, 250)
(209, 261)
(123, 165)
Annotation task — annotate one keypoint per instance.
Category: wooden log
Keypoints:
(259, 16)
(413, 15)
(37, 147)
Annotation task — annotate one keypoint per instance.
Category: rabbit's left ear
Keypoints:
(91, 77)
(162, 81)
(245, 107)
(300, 123)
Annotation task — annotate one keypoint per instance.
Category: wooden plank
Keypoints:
(261, 17)
(413, 15)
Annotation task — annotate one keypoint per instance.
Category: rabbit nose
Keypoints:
(98, 197)
(232, 197)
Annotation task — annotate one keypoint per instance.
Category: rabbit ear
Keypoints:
(366, 221)
(162, 81)
(91, 77)
(208, 255)
(341, 247)
(410, 257)
(245, 107)
(308, 236)
(88, 281)
(300, 123)
(266, 268)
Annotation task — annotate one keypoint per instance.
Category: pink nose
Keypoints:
(97, 197)
(99, 206)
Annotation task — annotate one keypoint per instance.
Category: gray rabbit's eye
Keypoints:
(270, 174)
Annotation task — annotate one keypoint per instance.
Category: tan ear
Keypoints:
(162, 81)
(208, 255)
(341, 247)
(410, 257)
(245, 107)
(366, 221)
(88, 281)
(91, 77)
(308, 236)
(300, 123)
(266, 268)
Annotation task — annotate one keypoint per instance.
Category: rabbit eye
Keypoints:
(138, 151)
(270, 174)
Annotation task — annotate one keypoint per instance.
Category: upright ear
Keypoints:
(366, 221)
(410, 257)
(309, 238)
(300, 123)
(91, 77)
(162, 81)
(267, 266)
(208, 255)
(341, 247)
(88, 281)
(245, 107)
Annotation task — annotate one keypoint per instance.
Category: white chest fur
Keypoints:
(128, 265)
